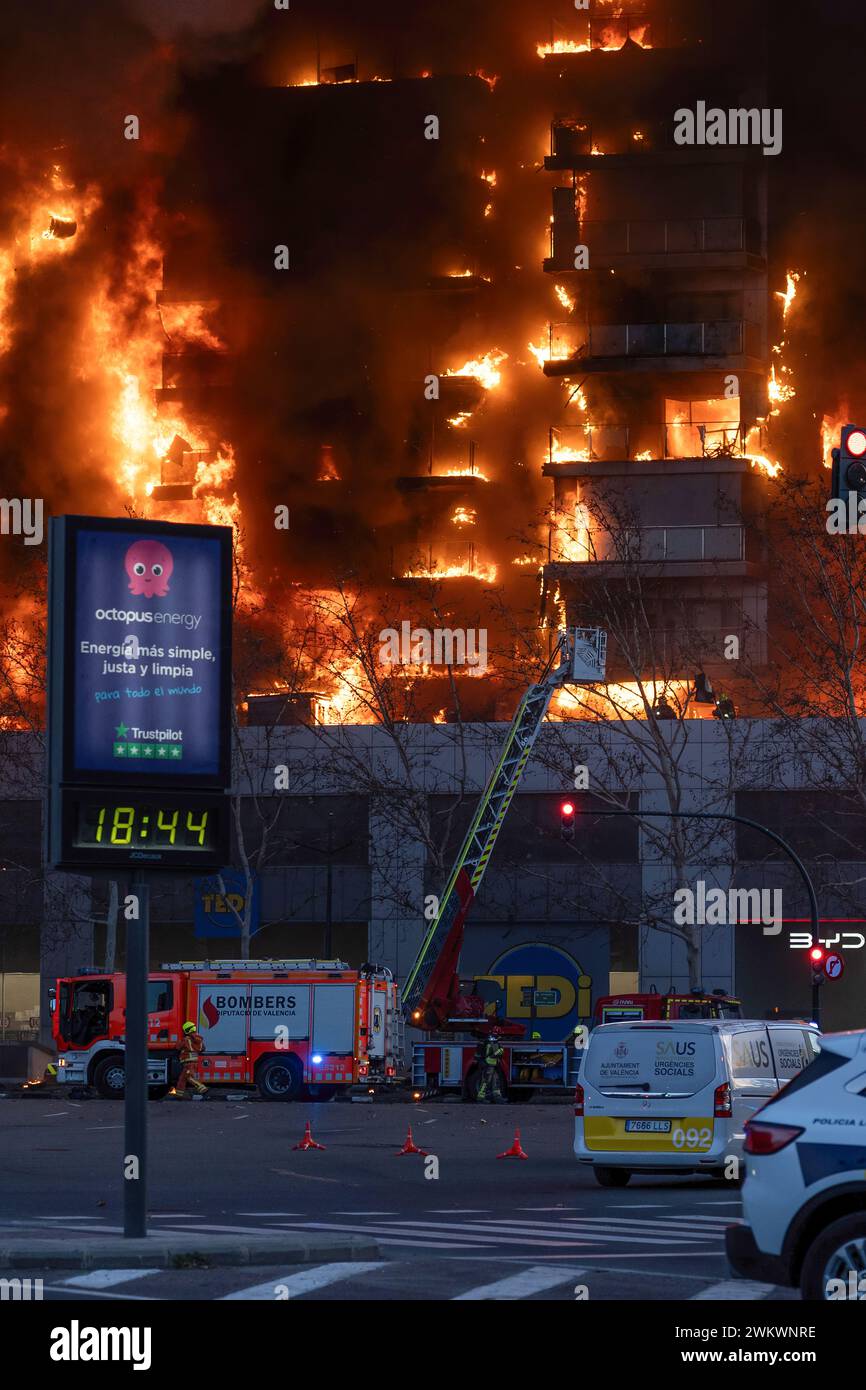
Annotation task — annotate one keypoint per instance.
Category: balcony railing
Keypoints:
(585, 444)
(710, 439)
(611, 32)
(660, 543)
(711, 338)
(668, 236)
(575, 139)
(669, 544)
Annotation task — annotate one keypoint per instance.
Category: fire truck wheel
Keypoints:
(280, 1078)
(109, 1078)
(612, 1177)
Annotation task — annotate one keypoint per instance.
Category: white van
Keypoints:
(674, 1097)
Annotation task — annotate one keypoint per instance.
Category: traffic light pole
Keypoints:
(817, 981)
(771, 835)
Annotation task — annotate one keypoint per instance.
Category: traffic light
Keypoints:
(566, 820)
(817, 955)
(849, 464)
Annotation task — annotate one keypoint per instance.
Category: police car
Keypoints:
(804, 1196)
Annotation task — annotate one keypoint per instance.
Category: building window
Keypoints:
(19, 1006)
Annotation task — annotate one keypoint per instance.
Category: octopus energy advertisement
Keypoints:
(139, 689)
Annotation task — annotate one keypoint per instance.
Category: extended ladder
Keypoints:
(582, 655)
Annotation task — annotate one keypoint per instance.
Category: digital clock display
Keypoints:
(109, 823)
(140, 827)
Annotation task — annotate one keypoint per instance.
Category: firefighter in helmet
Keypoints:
(490, 1085)
(191, 1048)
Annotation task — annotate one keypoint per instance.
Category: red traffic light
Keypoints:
(817, 954)
(856, 443)
(567, 808)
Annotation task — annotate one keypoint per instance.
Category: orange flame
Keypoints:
(484, 369)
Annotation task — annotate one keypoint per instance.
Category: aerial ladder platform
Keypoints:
(431, 996)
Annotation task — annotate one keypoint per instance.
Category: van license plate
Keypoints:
(647, 1126)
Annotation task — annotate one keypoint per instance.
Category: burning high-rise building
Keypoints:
(430, 305)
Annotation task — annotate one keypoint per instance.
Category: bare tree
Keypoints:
(633, 731)
(812, 686)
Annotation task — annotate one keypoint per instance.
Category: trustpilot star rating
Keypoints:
(131, 748)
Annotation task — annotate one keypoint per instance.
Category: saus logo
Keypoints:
(149, 565)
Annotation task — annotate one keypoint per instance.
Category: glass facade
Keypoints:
(19, 1006)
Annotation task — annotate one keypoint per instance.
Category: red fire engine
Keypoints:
(628, 1008)
(292, 1028)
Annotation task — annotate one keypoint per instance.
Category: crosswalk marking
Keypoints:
(522, 1285)
(733, 1289)
(79, 1229)
(522, 1277)
(431, 1233)
(706, 1221)
(303, 1281)
(391, 1235)
(574, 1234)
(204, 1227)
(106, 1278)
(612, 1230)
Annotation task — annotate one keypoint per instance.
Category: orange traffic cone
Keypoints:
(410, 1147)
(308, 1142)
(515, 1151)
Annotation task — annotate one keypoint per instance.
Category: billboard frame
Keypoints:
(64, 778)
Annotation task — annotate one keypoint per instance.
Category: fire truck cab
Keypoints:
(292, 1028)
(630, 1008)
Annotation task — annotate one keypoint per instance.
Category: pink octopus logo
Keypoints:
(149, 565)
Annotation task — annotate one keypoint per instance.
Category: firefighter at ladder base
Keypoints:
(489, 1055)
(191, 1048)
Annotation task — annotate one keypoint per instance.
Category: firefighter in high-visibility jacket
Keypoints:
(490, 1084)
(191, 1048)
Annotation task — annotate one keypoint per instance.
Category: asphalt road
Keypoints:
(542, 1225)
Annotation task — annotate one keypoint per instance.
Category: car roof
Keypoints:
(721, 1025)
(846, 1044)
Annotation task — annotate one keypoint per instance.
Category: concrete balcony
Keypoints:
(709, 243)
(729, 344)
(577, 147)
(690, 439)
(194, 377)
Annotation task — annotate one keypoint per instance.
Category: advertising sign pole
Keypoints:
(135, 1101)
(139, 719)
